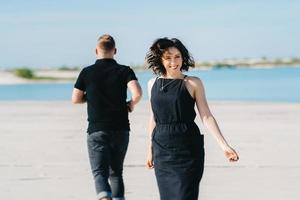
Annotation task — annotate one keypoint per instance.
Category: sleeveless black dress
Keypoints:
(178, 150)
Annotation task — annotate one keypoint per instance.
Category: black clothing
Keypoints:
(107, 150)
(105, 84)
(178, 149)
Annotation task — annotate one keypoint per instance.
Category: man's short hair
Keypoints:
(106, 42)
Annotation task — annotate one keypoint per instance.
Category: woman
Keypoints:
(176, 149)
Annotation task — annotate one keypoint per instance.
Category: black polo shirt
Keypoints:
(105, 84)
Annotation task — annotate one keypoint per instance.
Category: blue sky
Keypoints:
(39, 33)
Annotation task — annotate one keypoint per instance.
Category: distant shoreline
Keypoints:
(69, 75)
(45, 76)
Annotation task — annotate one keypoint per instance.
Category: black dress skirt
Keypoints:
(178, 149)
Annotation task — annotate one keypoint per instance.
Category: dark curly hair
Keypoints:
(161, 45)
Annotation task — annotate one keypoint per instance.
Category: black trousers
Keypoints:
(107, 150)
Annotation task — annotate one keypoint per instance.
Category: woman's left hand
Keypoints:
(231, 154)
(150, 163)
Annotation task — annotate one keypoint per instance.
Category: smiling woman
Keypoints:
(176, 146)
(160, 55)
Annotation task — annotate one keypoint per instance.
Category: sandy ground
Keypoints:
(43, 153)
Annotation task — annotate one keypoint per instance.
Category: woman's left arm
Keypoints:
(208, 119)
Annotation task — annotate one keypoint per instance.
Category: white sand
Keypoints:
(43, 153)
(57, 73)
(8, 78)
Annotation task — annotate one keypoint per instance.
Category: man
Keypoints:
(103, 86)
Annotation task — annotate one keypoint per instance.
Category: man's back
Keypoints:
(105, 84)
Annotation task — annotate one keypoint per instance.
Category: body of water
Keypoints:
(270, 85)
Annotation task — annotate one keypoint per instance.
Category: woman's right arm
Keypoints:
(151, 126)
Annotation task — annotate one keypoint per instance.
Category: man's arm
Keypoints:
(136, 93)
(78, 96)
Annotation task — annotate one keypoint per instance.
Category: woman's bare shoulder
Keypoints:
(151, 82)
(194, 81)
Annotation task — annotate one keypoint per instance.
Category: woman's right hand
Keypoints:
(150, 163)
(231, 154)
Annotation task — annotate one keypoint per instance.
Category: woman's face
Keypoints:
(172, 59)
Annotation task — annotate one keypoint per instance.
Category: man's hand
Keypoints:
(130, 106)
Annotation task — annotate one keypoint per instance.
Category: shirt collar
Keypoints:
(106, 60)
